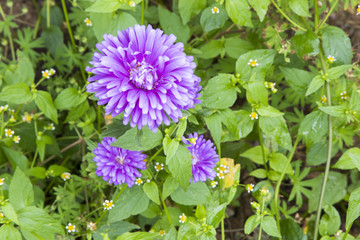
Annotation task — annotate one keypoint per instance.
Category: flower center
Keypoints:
(144, 76)
(120, 159)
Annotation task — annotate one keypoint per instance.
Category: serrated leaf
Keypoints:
(335, 111)
(152, 191)
(196, 193)
(300, 7)
(171, 23)
(269, 226)
(239, 12)
(268, 111)
(189, 8)
(180, 165)
(18, 93)
(306, 43)
(104, 6)
(353, 211)
(336, 72)
(314, 126)
(276, 127)
(21, 193)
(213, 122)
(211, 21)
(45, 103)
(349, 160)
(251, 223)
(255, 154)
(316, 83)
(261, 7)
(170, 185)
(336, 43)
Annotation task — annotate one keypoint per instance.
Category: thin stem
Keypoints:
(165, 207)
(142, 11)
(116, 198)
(288, 18)
(262, 148)
(261, 219)
(48, 13)
(327, 16)
(347, 231)
(328, 160)
(278, 184)
(222, 229)
(316, 17)
(155, 154)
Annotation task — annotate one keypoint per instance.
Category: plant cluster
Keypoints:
(151, 119)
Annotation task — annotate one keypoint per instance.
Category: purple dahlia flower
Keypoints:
(204, 158)
(142, 73)
(116, 164)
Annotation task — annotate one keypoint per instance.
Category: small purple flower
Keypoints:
(204, 158)
(116, 164)
(142, 73)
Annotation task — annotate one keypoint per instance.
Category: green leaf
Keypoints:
(251, 223)
(196, 193)
(259, 173)
(53, 38)
(276, 127)
(189, 8)
(268, 111)
(171, 23)
(104, 6)
(215, 215)
(264, 57)
(330, 222)
(38, 222)
(172, 234)
(18, 93)
(10, 213)
(269, 226)
(25, 71)
(353, 211)
(278, 162)
(138, 235)
(255, 154)
(335, 111)
(306, 43)
(139, 140)
(239, 12)
(41, 145)
(291, 230)
(8, 232)
(336, 43)
(213, 122)
(38, 172)
(152, 191)
(316, 83)
(245, 124)
(170, 185)
(16, 158)
(68, 99)
(349, 160)
(180, 165)
(45, 103)
(115, 129)
(211, 49)
(21, 193)
(261, 7)
(314, 127)
(131, 202)
(256, 93)
(336, 72)
(114, 230)
(56, 170)
(77, 112)
(211, 21)
(300, 7)
(297, 79)
(219, 92)
(170, 146)
(234, 47)
(335, 190)
(109, 23)
(181, 127)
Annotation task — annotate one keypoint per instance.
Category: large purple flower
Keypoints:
(204, 158)
(116, 164)
(142, 73)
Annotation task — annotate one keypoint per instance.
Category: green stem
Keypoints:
(278, 184)
(116, 198)
(326, 17)
(286, 16)
(155, 154)
(165, 208)
(316, 17)
(48, 13)
(142, 11)
(261, 219)
(262, 148)
(222, 229)
(328, 160)
(347, 231)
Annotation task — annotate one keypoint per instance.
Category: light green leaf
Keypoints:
(276, 127)
(278, 162)
(298, 79)
(336, 72)
(171, 23)
(131, 202)
(180, 165)
(24, 71)
(68, 99)
(245, 124)
(335, 111)
(215, 215)
(353, 211)
(300, 7)
(170, 185)
(197, 193)
(268, 111)
(291, 230)
(336, 43)
(256, 93)
(255, 154)
(77, 112)
(213, 122)
(8, 232)
(18, 93)
(138, 235)
(234, 47)
(104, 6)
(139, 140)
(211, 49)
(269, 226)
(45, 103)
(251, 223)
(152, 191)
(110, 23)
(316, 83)
(258, 173)
(16, 158)
(349, 160)
(170, 146)
(314, 126)
(330, 222)
(21, 193)
(306, 43)
(211, 21)
(189, 8)
(239, 12)
(10, 213)
(219, 92)
(261, 7)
